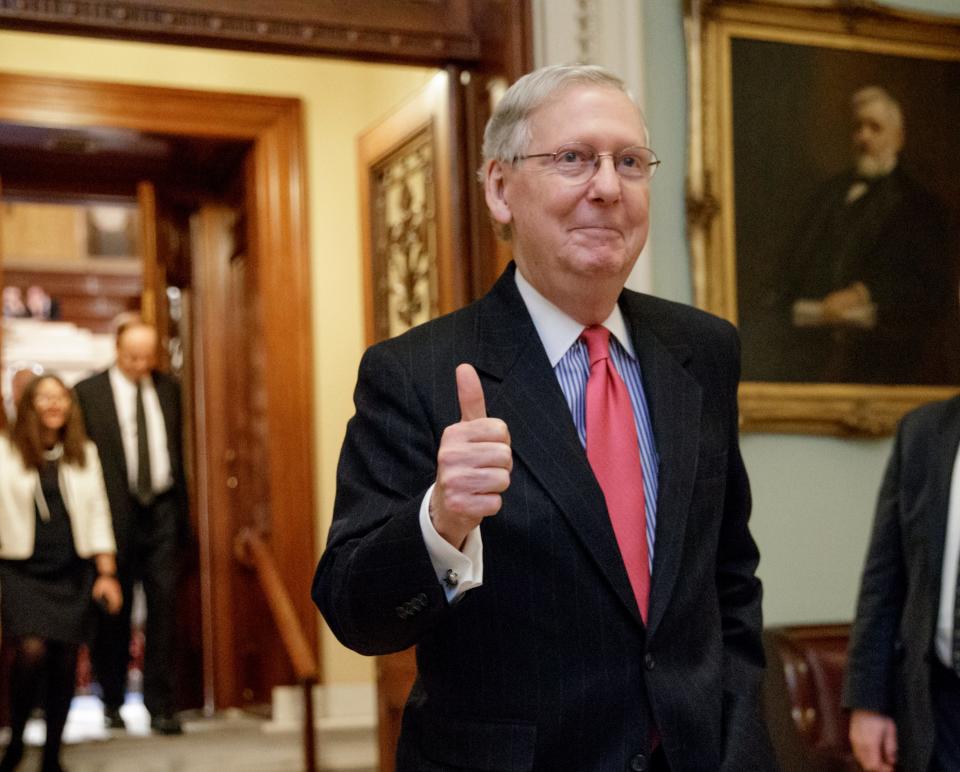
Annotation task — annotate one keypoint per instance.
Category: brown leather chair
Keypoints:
(802, 697)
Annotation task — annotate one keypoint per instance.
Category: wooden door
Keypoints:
(235, 461)
(415, 268)
(154, 282)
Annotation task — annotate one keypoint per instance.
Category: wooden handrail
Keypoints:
(251, 550)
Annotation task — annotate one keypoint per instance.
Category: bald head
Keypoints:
(136, 350)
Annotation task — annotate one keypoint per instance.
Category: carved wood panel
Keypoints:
(412, 266)
(405, 237)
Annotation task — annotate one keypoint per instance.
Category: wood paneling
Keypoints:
(43, 233)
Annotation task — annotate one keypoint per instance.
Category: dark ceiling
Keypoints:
(90, 162)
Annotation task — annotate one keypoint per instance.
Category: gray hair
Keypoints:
(507, 134)
(869, 94)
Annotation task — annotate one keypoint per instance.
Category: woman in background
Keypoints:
(56, 552)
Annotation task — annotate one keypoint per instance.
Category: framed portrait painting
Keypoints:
(824, 205)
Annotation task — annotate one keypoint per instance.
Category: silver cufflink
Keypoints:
(451, 578)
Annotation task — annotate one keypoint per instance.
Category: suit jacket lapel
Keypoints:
(161, 386)
(112, 422)
(522, 389)
(674, 398)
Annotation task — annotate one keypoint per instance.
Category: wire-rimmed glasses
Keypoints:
(578, 162)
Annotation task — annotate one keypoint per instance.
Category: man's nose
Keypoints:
(605, 185)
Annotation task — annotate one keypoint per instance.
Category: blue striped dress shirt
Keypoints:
(568, 357)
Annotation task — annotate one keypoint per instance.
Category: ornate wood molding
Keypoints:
(423, 31)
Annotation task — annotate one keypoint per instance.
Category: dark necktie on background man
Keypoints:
(614, 455)
(144, 480)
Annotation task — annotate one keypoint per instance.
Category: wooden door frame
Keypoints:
(274, 127)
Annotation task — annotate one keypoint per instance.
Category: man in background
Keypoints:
(132, 413)
(544, 491)
(903, 669)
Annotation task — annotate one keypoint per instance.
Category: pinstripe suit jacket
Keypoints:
(548, 665)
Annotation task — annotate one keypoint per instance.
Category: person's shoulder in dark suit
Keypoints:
(93, 382)
(709, 343)
(90, 393)
(675, 322)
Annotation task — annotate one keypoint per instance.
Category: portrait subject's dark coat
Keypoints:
(895, 239)
(547, 665)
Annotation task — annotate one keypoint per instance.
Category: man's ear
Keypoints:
(494, 187)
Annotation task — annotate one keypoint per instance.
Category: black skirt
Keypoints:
(48, 594)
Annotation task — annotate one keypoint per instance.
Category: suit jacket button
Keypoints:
(648, 661)
(638, 763)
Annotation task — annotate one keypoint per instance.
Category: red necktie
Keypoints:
(614, 455)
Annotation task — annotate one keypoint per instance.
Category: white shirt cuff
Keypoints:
(457, 570)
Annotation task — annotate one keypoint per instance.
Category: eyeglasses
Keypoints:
(578, 162)
(52, 399)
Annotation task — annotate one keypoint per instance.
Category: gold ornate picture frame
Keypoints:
(823, 205)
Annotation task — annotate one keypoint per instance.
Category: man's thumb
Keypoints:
(470, 394)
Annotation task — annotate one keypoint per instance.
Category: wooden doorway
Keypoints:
(276, 275)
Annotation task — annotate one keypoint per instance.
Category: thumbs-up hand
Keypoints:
(473, 464)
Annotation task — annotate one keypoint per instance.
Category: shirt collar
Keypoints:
(558, 331)
(117, 376)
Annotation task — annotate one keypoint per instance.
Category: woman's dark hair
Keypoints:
(26, 433)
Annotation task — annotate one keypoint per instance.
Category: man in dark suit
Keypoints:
(132, 413)
(902, 674)
(480, 515)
